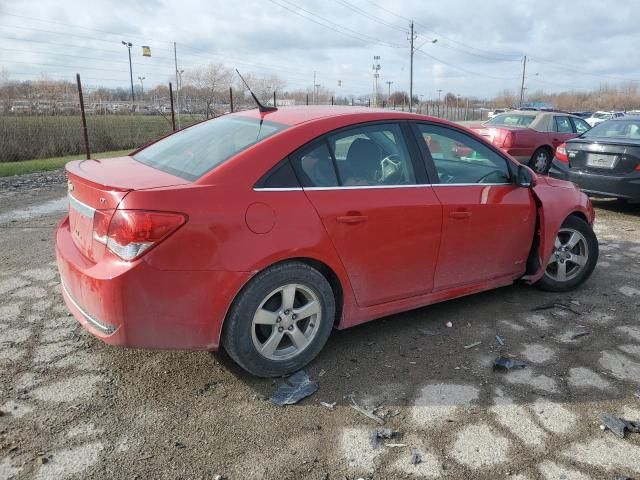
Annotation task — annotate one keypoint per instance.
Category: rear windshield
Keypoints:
(194, 151)
(510, 119)
(601, 115)
(616, 128)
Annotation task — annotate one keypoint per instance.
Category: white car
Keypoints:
(497, 111)
(599, 117)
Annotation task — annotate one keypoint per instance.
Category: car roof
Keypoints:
(295, 115)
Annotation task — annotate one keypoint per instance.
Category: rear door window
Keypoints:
(580, 125)
(563, 125)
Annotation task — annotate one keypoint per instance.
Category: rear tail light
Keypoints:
(561, 153)
(130, 233)
(638, 167)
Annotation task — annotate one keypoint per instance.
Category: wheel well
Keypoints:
(548, 148)
(579, 215)
(331, 277)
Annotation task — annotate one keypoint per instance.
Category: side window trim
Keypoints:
(334, 162)
(430, 164)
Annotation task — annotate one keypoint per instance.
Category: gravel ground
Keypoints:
(75, 408)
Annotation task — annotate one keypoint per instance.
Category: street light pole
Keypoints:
(389, 83)
(129, 45)
(142, 86)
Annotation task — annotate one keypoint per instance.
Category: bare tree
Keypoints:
(210, 83)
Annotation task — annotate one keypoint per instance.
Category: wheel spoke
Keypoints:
(265, 317)
(288, 296)
(552, 259)
(579, 260)
(573, 240)
(272, 343)
(307, 310)
(562, 271)
(557, 244)
(297, 338)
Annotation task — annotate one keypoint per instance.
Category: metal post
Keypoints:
(231, 99)
(84, 120)
(173, 116)
(411, 70)
(524, 68)
(331, 99)
(439, 91)
(307, 99)
(175, 58)
(274, 98)
(131, 75)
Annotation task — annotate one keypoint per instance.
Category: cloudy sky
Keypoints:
(569, 44)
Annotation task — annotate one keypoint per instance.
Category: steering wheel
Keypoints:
(390, 167)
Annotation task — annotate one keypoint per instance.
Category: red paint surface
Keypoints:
(391, 249)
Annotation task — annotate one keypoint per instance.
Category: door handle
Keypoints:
(460, 214)
(352, 219)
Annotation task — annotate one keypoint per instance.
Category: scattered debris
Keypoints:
(504, 363)
(180, 445)
(218, 477)
(579, 334)
(296, 387)
(424, 331)
(637, 394)
(416, 458)
(618, 425)
(475, 344)
(322, 372)
(500, 340)
(330, 406)
(618, 477)
(43, 460)
(366, 413)
(382, 433)
(563, 306)
(448, 324)
(395, 445)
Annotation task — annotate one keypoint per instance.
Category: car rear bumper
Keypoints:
(135, 305)
(597, 184)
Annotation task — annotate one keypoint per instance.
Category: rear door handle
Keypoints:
(460, 214)
(353, 219)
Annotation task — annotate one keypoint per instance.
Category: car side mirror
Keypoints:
(525, 177)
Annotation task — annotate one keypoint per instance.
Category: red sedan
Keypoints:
(260, 232)
(531, 137)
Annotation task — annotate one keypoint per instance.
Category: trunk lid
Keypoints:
(607, 156)
(497, 135)
(98, 186)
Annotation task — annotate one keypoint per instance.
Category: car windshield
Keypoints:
(511, 119)
(616, 128)
(601, 115)
(192, 152)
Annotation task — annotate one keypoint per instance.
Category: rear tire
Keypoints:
(540, 161)
(573, 259)
(280, 321)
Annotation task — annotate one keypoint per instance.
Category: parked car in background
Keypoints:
(599, 117)
(605, 161)
(260, 232)
(632, 112)
(531, 136)
(497, 111)
(582, 114)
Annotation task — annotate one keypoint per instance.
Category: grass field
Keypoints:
(44, 164)
(44, 137)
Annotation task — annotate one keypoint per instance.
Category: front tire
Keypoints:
(280, 321)
(540, 161)
(573, 259)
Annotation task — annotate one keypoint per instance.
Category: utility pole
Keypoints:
(142, 86)
(175, 58)
(129, 45)
(524, 68)
(389, 83)
(439, 92)
(412, 38)
(313, 99)
(376, 75)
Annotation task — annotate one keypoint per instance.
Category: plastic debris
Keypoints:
(366, 413)
(424, 331)
(416, 458)
(504, 363)
(395, 445)
(296, 387)
(381, 434)
(474, 344)
(618, 425)
(448, 324)
(500, 340)
(579, 334)
(330, 406)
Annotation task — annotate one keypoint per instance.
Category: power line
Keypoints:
(461, 68)
(359, 11)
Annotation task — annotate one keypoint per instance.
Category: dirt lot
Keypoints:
(75, 408)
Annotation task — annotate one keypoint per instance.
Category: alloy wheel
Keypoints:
(569, 257)
(286, 322)
(540, 162)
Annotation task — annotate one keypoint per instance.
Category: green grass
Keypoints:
(44, 164)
